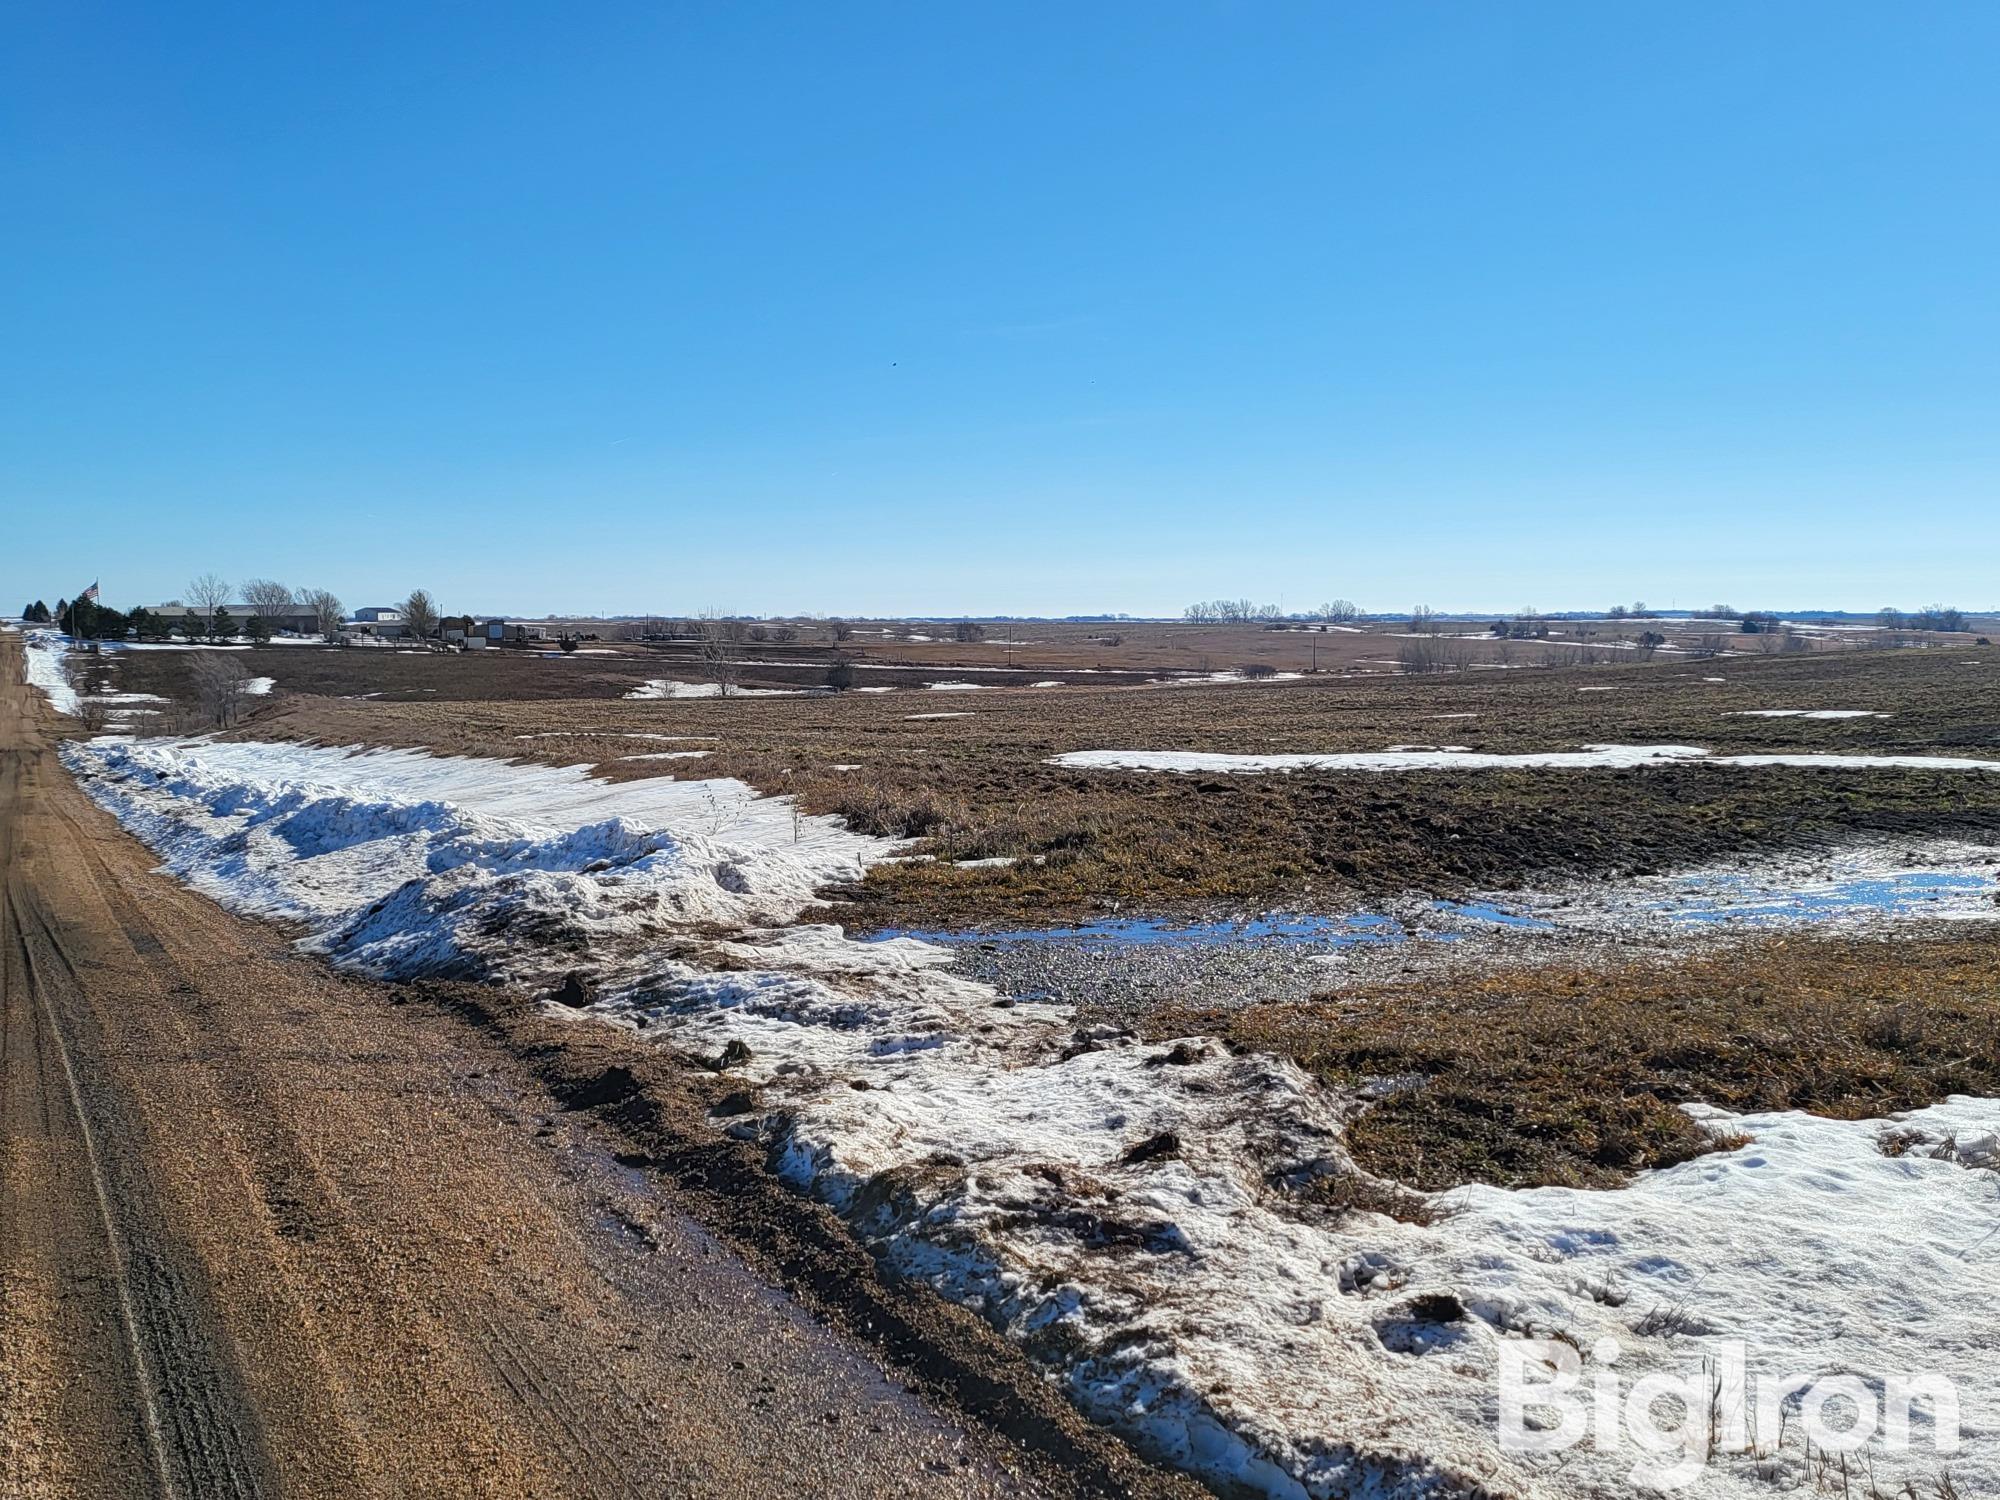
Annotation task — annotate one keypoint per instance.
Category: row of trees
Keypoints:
(1230, 612)
(206, 613)
(269, 600)
(1930, 617)
(1244, 611)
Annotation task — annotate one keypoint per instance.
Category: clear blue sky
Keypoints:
(1003, 308)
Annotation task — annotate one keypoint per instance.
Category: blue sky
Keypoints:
(1027, 308)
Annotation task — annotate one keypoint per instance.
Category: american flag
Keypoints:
(89, 593)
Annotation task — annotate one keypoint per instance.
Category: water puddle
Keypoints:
(1271, 930)
(1499, 916)
(1935, 880)
(1741, 898)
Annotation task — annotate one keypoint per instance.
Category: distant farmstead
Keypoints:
(292, 621)
(503, 631)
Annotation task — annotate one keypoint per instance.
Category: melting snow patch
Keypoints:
(1588, 758)
(44, 653)
(961, 714)
(608, 734)
(1808, 713)
(667, 687)
(1207, 678)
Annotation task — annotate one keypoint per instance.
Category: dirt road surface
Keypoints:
(266, 1231)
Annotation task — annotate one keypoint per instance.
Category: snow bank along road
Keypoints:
(1120, 1210)
(264, 1230)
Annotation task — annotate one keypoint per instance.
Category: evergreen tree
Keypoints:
(41, 614)
(225, 627)
(258, 629)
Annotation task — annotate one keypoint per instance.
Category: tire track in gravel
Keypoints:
(601, 1459)
(202, 1437)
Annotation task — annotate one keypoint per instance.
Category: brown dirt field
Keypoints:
(975, 785)
(1563, 1073)
(1012, 655)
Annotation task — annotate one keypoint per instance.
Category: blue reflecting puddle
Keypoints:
(1694, 899)
(1486, 911)
(1331, 932)
(1740, 899)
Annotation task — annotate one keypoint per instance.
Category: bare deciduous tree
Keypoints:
(221, 686)
(206, 597)
(1939, 617)
(1425, 620)
(420, 615)
(1432, 654)
(715, 650)
(268, 599)
(327, 611)
(1229, 612)
(968, 631)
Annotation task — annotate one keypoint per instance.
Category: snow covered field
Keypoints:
(1113, 1205)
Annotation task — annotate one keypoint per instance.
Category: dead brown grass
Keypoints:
(1537, 1075)
(978, 786)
